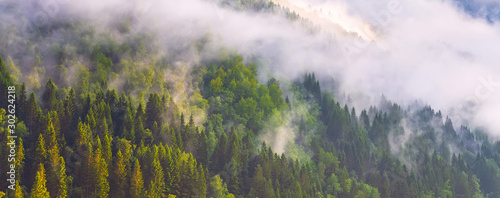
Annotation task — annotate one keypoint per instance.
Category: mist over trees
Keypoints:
(108, 112)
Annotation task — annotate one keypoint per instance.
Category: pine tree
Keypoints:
(84, 136)
(173, 138)
(173, 175)
(179, 141)
(235, 163)
(56, 179)
(106, 152)
(5, 81)
(19, 191)
(136, 181)
(157, 185)
(128, 131)
(201, 148)
(139, 125)
(40, 153)
(49, 96)
(19, 163)
(365, 120)
(153, 111)
(39, 190)
(32, 113)
(100, 171)
(119, 178)
(68, 118)
(21, 103)
(202, 181)
(218, 160)
(262, 187)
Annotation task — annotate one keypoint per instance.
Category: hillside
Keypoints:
(116, 108)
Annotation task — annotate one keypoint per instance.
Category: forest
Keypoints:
(98, 115)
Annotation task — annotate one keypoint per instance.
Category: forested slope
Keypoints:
(109, 113)
(101, 144)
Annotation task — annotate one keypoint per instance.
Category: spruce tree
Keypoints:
(56, 179)
(40, 152)
(119, 178)
(21, 103)
(19, 191)
(49, 96)
(19, 163)
(39, 190)
(136, 181)
(157, 184)
(5, 81)
(100, 170)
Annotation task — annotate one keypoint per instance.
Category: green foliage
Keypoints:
(217, 188)
(93, 142)
(39, 189)
(15, 73)
(136, 181)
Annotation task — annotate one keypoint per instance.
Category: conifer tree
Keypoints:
(68, 118)
(100, 170)
(32, 113)
(136, 181)
(153, 111)
(119, 178)
(19, 191)
(5, 81)
(128, 131)
(157, 184)
(56, 178)
(22, 103)
(235, 163)
(41, 152)
(19, 163)
(201, 148)
(219, 157)
(49, 96)
(39, 190)
(106, 152)
(202, 181)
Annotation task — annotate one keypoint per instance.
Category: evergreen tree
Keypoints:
(100, 172)
(136, 181)
(219, 158)
(235, 163)
(5, 82)
(153, 111)
(39, 190)
(19, 159)
(49, 96)
(41, 152)
(157, 184)
(119, 177)
(19, 191)
(56, 179)
(106, 152)
(21, 103)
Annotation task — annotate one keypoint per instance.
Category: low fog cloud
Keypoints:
(430, 51)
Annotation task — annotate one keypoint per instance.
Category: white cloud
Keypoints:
(411, 50)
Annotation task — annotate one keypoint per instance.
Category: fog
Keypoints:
(428, 51)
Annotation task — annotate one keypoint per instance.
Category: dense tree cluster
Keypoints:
(132, 121)
(104, 145)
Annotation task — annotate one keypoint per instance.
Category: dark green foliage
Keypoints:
(5, 82)
(49, 96)
(116, 146)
